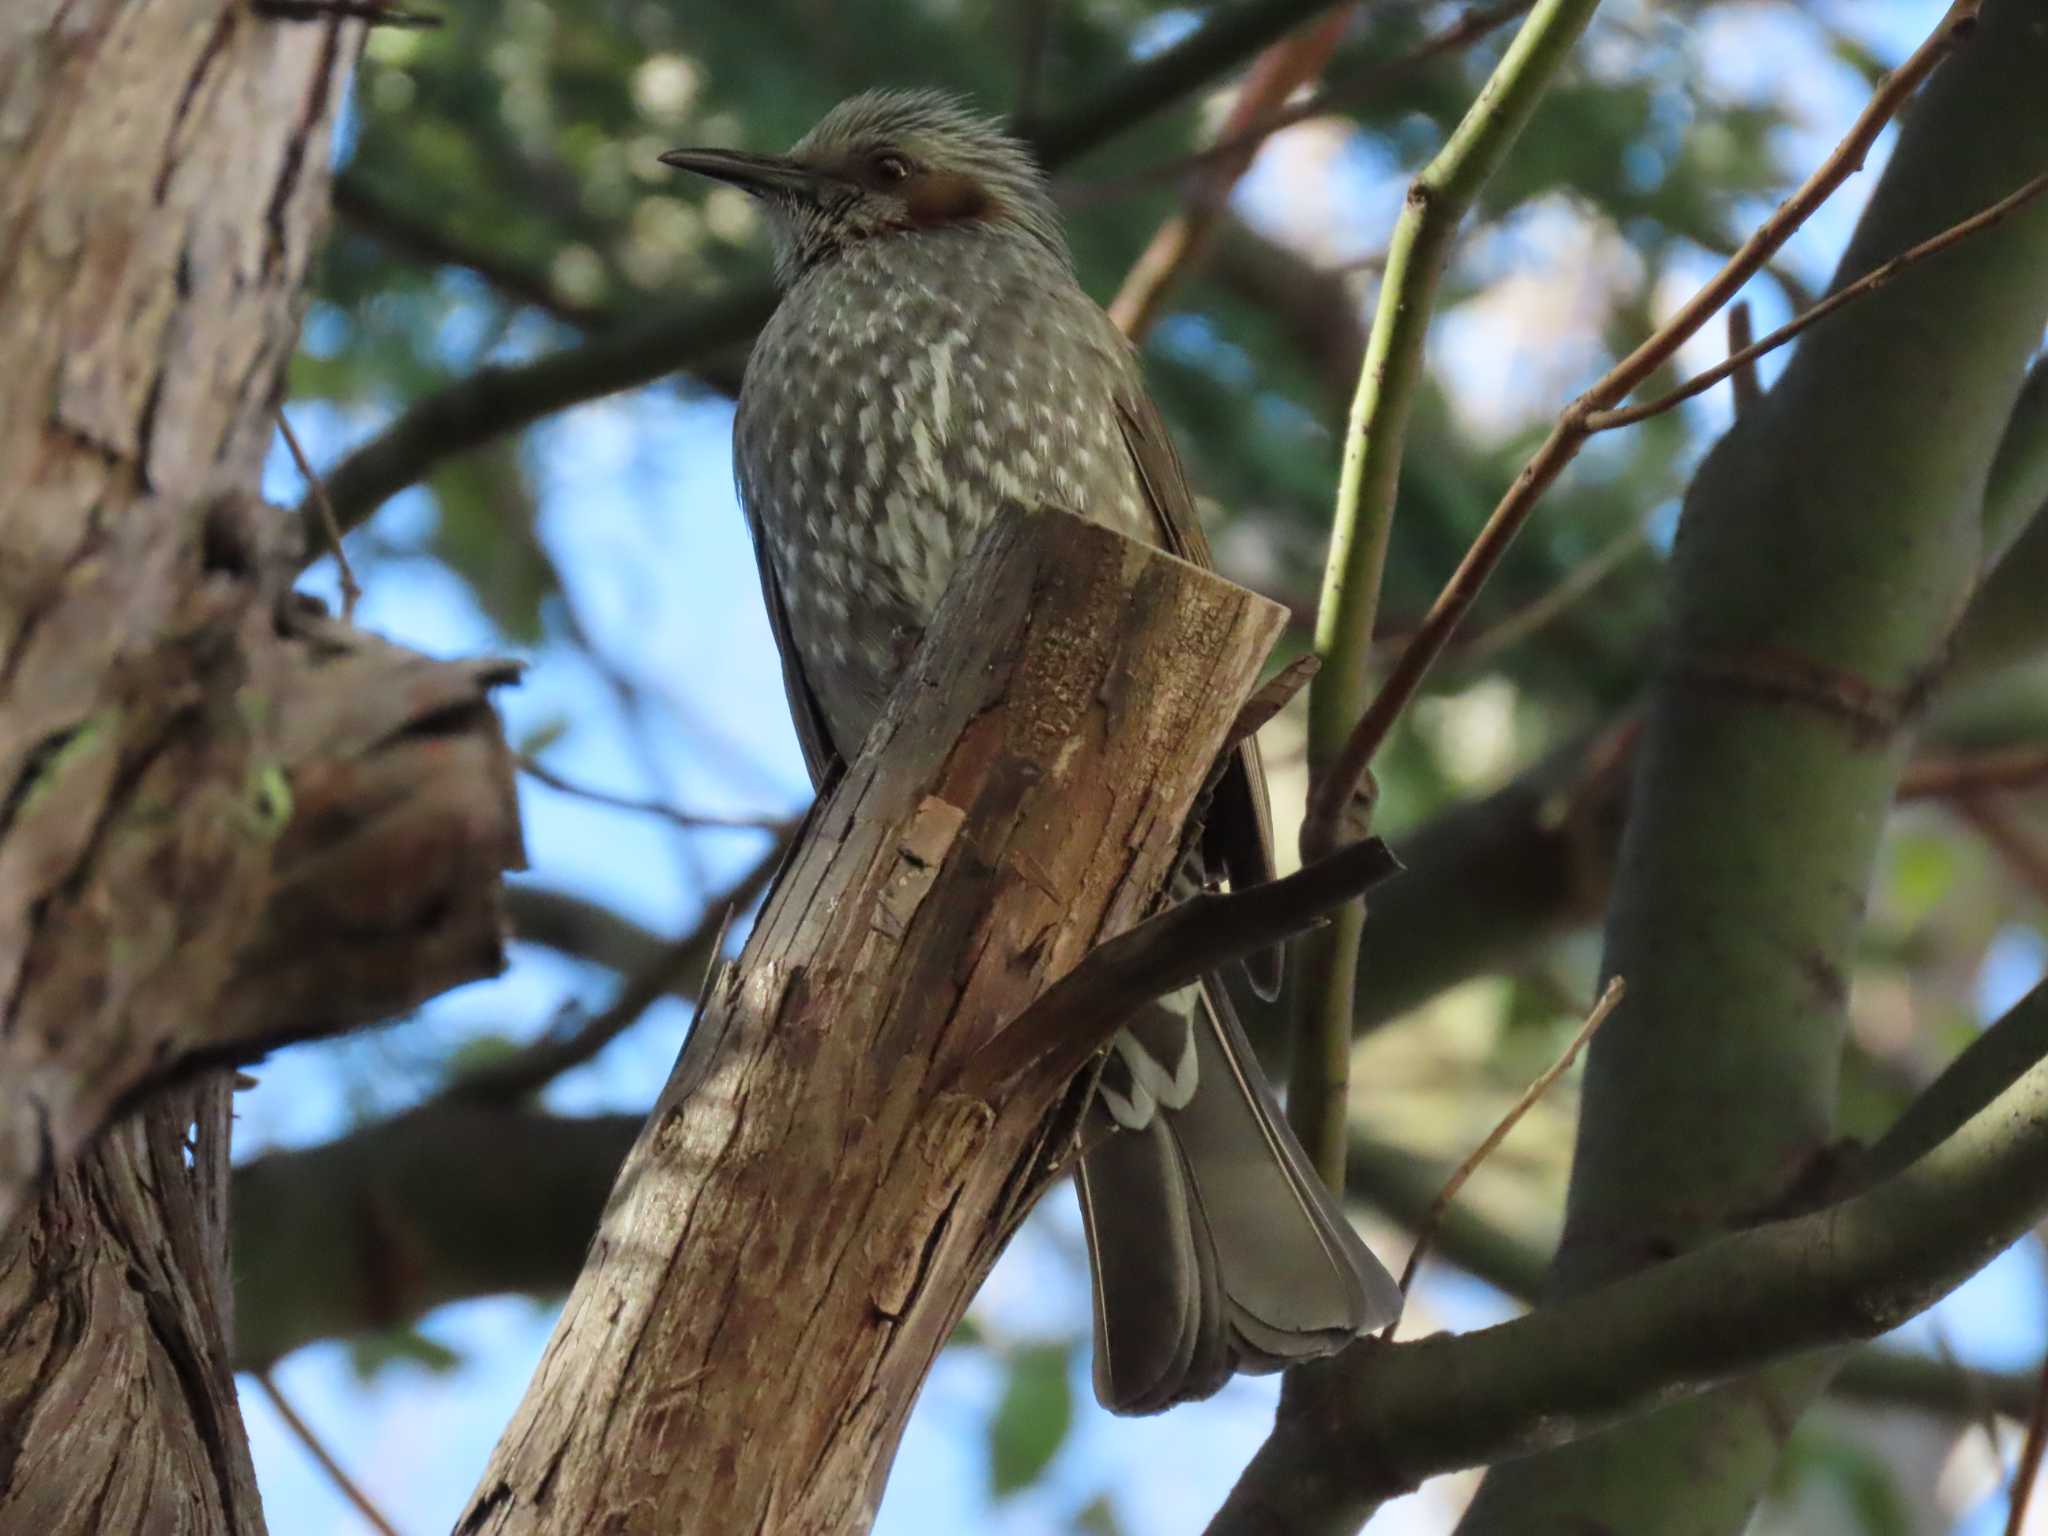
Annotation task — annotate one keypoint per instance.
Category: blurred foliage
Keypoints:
(1822, 1464)
(371, 1353)
(500, 198)
(1033, 1417)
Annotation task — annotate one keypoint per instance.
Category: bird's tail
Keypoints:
(1214, 1246)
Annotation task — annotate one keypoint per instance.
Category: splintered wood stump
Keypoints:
(814, 1201)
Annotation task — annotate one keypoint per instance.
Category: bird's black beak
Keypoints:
(773, 176)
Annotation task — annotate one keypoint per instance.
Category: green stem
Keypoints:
(1378, 426)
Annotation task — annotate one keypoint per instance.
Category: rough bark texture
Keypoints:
(117, 1406)
(812, 1203)
(1829, 546)
(196, 778)
(224, 821)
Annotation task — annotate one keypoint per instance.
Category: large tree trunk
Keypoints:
(819, 1190)
(207, 793)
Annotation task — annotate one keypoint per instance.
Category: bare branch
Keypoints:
(303, 1433)
(1057, 1035)
(1355, 87)
(539, 1064)
(351, 590)
(675, 815)
(1337, 785)
(1425, 1232)
(1870, 282)
(1179, 244)
(2029, 1467)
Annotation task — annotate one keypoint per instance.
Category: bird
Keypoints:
(932, 361)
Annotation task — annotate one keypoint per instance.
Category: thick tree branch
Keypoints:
(184, 791)
(1828, 543)
(454, 1201)
(500, 398)
(192, 769)
(449, 1201)
(1403, 1412)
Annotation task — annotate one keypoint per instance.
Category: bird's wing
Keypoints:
(820, 756)
(1240, 829)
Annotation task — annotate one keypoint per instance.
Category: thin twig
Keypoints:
(1350, 91)
(1425, 1230)
(2023, 853)
(1576, 584)
(350, 591)
(2029, 1467)
(378, 13)
(1334, 790)
(533, 1067)
(2008, 768)
(676, 816)
(1055, 1036)
(1870, 282)
(1272, 696)
(1179, 243)
(1970, 1390)
(1743, 381)
(305, 1436)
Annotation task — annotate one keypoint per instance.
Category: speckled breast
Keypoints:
(902, 395)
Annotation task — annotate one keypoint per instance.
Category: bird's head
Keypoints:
(888, 163)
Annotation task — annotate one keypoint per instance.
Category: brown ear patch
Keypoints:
(939, 198)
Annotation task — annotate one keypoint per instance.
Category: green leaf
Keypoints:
(371, 1353)
(1098, 1518)
(476, 1054)
(543, 735)
(1032, 1419)
(1854, 1477)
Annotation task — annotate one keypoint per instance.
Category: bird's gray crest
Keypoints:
(966, 172)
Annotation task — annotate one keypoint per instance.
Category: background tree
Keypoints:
(508, 250)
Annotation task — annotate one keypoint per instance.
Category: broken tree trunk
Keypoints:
(815, 1199)
(225, 822)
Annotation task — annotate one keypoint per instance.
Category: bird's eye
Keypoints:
(889, 169)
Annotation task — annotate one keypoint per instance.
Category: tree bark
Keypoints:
(815, 1199)
(224, 820)
(1829, 546)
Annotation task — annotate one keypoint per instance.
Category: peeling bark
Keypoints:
(815, 1199)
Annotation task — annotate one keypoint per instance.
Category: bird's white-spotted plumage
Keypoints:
(933, 364)
(881, 458)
